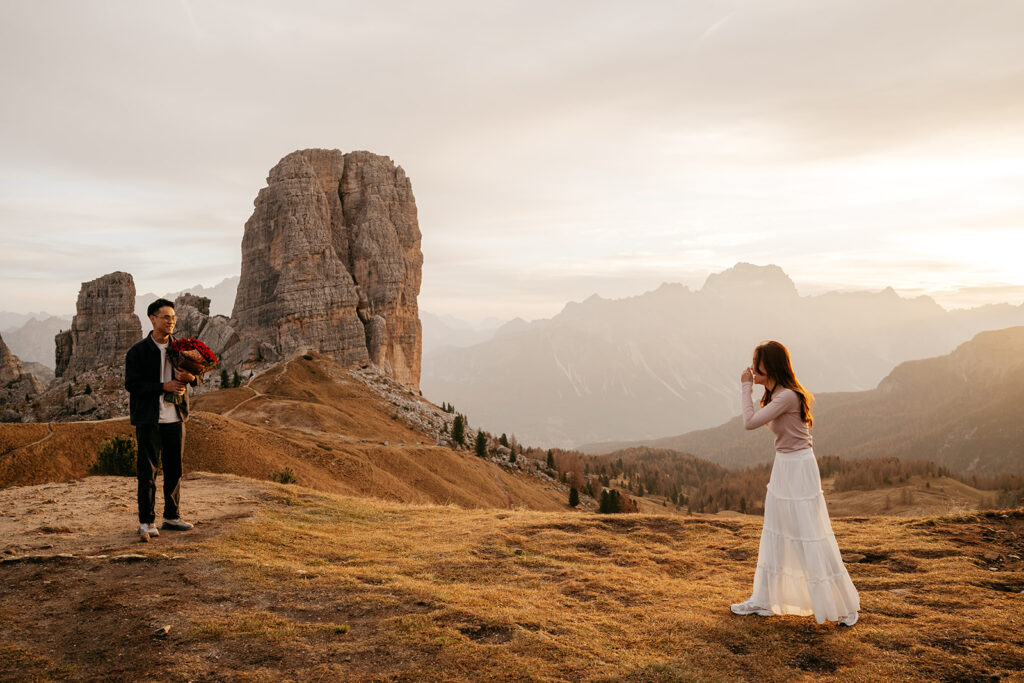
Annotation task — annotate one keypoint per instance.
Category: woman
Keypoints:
(799, 568)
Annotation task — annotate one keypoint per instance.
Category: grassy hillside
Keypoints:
(320, 587)
(333, 431)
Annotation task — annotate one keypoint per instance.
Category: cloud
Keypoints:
(553, 139)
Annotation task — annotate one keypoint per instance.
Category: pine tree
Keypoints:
(481, 444)
(69, 391)
(574, 497)
(609, 502)
(88, 389)
(503, 440)
(224, 382)
(512, 456)
(459, 430)
(236, 381)
(551, 460)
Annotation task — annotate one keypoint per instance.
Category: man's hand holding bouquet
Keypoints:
(189, 358)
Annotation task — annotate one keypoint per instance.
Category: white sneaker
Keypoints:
(748, 607)
(849, 619)
(148, 529)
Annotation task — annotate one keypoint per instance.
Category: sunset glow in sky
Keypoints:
(556, 150)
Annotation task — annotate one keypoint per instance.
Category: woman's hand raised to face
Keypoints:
(747, 375)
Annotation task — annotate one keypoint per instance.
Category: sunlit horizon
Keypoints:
(555, 152)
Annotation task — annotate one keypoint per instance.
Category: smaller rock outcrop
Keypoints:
(104, 327)
(193, 312)
(234, 351)
(17, 387)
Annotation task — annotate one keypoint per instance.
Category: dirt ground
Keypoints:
(98, 515)
(83, 594)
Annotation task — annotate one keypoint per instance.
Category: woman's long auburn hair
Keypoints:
(778, 366)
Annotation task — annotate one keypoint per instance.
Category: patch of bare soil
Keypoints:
(99, 514)
(83, 597)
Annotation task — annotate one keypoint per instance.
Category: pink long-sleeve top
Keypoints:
(782, 415)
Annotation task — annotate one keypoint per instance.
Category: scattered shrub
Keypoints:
(307, 356)
(117, 457)
(284, 476)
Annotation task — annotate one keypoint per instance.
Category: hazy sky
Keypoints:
(556, 149)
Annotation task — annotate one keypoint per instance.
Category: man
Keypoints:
(159, 424)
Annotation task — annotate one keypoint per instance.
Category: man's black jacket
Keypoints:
(142, 380)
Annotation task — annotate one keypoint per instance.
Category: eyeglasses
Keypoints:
(168, 318)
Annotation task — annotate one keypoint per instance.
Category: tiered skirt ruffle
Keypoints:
(799, 567)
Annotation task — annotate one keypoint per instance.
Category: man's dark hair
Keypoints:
(157, 305)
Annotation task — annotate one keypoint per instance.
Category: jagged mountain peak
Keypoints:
(747, 278)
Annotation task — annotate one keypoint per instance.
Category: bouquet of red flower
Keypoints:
(190, 355)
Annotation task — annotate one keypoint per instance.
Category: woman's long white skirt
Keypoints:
(799, 567)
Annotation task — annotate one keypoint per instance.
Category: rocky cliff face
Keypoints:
(17, 386)
(331, 262)
(104, 327)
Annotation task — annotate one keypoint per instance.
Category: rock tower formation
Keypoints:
(104, 327)
(331, 262)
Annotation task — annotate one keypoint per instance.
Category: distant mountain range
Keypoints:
(33, 341)
(221, 296)
(10, 321)
(961, 410)
(440, 331)
(668, 361)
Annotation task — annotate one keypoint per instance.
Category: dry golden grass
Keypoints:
(56, 451)
(917, 497)
(323, 587)
(435, 593)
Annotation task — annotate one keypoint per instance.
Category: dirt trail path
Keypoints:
(49, 435)
(99, 514)
(256, 392)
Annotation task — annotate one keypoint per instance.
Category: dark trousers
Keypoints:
(160, 442)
